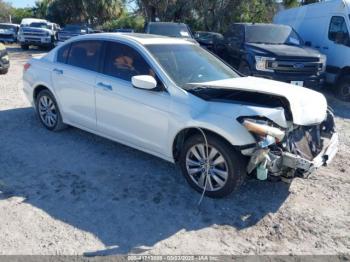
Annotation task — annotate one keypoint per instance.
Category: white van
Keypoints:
(325, 26)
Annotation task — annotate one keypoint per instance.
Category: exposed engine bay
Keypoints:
(280, 152)
(301, 150)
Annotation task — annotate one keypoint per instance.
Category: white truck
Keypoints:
(325, 26)
(37, 32)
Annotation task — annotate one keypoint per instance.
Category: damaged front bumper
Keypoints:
(303, 150)
(308, 166)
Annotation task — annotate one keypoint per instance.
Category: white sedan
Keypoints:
(175, 100)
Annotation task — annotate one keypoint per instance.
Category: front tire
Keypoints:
(343, 88)
(48, 111)
(225, 166)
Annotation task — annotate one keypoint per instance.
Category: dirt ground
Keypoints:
(76, 193)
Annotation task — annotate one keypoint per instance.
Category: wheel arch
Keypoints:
(186, 133)
(39, 87)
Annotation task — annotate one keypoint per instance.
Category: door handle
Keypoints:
(58, 71)
(105, 86)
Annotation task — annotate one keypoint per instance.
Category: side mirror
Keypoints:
(308, 43)
(144, 82)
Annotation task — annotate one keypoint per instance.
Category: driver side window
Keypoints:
(122, 61)
(338, 31)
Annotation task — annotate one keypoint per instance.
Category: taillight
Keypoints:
(26, 66)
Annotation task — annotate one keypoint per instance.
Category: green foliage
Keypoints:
(257, 11)
(213, 15)
(125, 21)
(290, 3)
(19, 13)
(41, 8)
(78, 11)
(5, 11)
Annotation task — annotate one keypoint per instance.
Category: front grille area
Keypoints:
(31, 39)
(6, 36)
(34, 33)
(295, 67)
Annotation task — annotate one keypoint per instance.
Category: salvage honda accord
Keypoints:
(173, 99)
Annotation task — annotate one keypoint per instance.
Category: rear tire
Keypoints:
(48, 111)
(343, 88)
(227, 167)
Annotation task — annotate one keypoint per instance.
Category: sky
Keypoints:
(22, 3)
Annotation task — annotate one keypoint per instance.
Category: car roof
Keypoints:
(143, 39)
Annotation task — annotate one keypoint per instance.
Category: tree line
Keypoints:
(209, 15)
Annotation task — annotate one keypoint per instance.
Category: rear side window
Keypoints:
(338, 29)
(63, 53)
(85, 54)
(124, 62)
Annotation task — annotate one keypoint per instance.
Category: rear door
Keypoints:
(74, 78)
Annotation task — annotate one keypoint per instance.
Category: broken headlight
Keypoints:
(263, 129)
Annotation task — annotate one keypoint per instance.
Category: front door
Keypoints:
(125, 113)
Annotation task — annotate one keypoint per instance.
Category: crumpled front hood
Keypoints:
(308, 107)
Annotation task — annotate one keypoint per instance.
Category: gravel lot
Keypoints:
(76, 193)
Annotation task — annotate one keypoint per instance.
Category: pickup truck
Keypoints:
(274, 52)
(8, 32)
(37, 32)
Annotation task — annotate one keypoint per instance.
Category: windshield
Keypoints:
(8, 27)
(172, 30)
(190, 64)
(40, 25)
(272, 34)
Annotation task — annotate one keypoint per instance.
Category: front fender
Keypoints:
(227, 128)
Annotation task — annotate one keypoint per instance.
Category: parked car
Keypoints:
(124, 30)
(72, 30)
(178, 30)
(325, 26)
(175, 100)
(274, 52)
(37, 32)
(4, 60)
(210, 40)
(8, 32)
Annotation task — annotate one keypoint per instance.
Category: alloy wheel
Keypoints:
(207, 167)
(47, 111)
